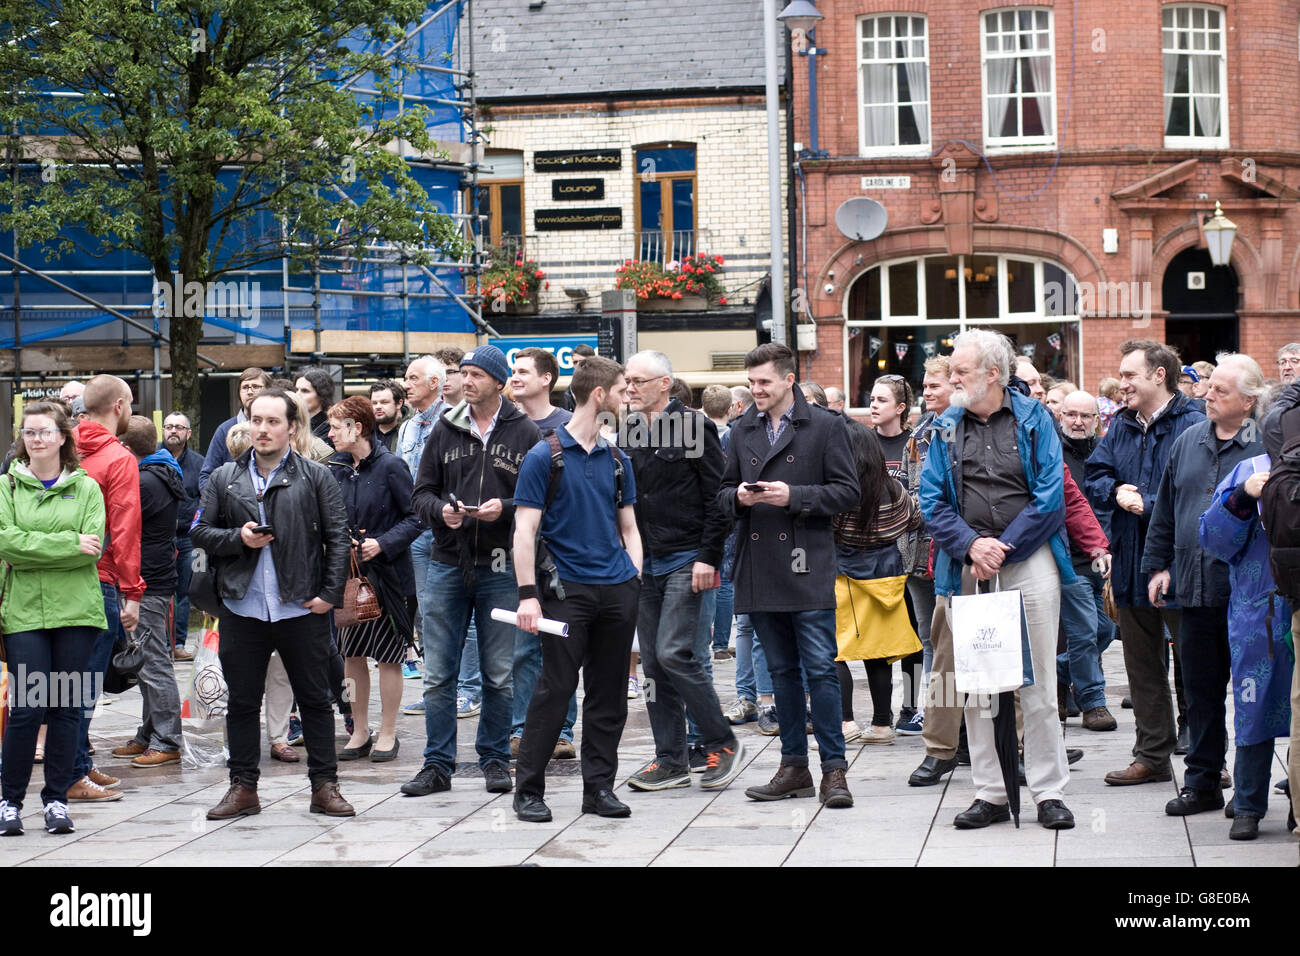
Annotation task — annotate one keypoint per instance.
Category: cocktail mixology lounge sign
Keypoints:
(576, 160)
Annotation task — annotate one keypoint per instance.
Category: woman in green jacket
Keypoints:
(51, 524)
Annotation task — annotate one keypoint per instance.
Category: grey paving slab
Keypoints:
(161, 820)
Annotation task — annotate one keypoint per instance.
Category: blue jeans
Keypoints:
(752, 678)
(448, 605)
(528, 665)
(1082, 611)
(101, 652)
(60, 655)
(181, 607)
(1250, 779)
(674, 626)
(703, 651)
(726, 598)
(796, 641)
(420, 548)
(470, 682)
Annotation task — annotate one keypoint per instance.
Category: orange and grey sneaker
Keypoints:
(723, 765)
(86, 791)
(658, 776)
(156, 758)
(129, 751)
(103, 779)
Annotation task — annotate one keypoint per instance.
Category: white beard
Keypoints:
(964, 398)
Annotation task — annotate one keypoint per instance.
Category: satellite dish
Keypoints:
(861, 218)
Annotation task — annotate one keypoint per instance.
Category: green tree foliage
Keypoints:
(171, 92)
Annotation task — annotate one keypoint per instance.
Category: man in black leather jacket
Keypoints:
(276, 588)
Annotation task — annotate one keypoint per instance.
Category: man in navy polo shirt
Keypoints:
(597, 551)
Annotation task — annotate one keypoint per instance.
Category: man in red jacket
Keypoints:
(108, 410)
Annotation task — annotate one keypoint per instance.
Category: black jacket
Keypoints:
(377, 497)
(678, 464)
(161, 493)
(1076, 451)
(1196, 466)
(455, 462)
(785, 558)
(320, 427)
(303, 505)
(191, 463)
(1272, 424)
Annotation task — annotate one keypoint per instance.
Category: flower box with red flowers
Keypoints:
(689, 285)
(512, 286)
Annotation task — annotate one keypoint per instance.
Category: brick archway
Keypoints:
(852, 259)
(1244, 259)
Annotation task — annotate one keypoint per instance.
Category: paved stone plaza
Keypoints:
(160, 821)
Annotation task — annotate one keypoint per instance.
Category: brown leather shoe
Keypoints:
(240, 801)
(181, 654)
(834, 793)
(1136, 773)
(1098, 718)
(284, 752)
(102, 779)
(326, 799)
(788, 782)
(156, 758)
(84, 791)
(564, 750)
(129, 751)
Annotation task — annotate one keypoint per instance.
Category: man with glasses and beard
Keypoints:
(176, 437)
(251, 382)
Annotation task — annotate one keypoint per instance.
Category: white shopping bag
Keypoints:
(990, 640)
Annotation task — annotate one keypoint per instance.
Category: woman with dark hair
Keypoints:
(871, 622)
(891, 403)
(51, 531)
(377, 489)
(316, 389)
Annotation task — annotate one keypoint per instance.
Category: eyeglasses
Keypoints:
(1083, 415)
(41, 434)
(251, 387)
(641, 382)
(176, 428)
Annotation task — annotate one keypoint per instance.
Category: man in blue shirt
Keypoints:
(590, 528)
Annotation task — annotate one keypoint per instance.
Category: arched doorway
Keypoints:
(1201, 299)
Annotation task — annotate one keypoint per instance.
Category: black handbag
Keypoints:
(124, 669)
(205, 592)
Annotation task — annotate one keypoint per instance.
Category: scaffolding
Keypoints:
(76, 299)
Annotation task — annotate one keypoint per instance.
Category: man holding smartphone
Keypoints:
(677, 458)
(789, 471)
(274, 527)
(464, 491)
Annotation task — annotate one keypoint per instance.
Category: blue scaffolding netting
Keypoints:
(372, 290)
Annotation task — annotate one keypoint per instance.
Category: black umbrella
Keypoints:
(1007, 745)
(1006, 741)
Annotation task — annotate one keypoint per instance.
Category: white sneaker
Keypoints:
(633, 688)
(851, 731)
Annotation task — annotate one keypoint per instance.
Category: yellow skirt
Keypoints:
(871, 619)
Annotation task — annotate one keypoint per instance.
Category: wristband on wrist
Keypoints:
(527, 591)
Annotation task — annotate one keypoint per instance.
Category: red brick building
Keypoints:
(1047, 169)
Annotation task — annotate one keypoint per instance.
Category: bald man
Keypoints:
(1029, 375)
(108, 411)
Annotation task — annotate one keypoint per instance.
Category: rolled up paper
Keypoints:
(544, 624)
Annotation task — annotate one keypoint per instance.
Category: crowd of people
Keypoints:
(469, 528)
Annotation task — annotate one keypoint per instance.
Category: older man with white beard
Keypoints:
(993, 512)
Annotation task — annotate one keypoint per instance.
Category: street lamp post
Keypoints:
(774, 175)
